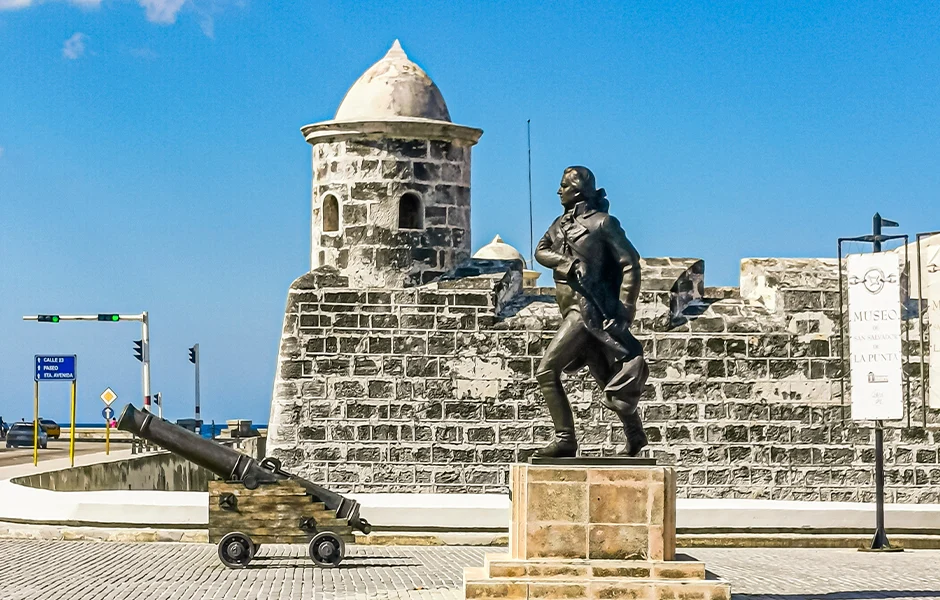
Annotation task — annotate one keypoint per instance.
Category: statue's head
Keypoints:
(577, 184)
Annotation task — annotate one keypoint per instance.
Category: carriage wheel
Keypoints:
(236, 550)
(327, 549)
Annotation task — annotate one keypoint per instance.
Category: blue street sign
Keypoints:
(107, 413)
(55, 368)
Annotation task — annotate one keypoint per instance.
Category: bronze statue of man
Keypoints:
(597, 281)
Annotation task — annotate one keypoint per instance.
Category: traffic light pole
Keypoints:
(196, 354)
(145, 342)
(145, 338)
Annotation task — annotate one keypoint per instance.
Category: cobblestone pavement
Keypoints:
(42, 570)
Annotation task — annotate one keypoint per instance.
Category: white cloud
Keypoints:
(15, 4)
(144, 52)
(207, 10)
(162, 11)
(74, 47)
(158, 11)
(207, 24)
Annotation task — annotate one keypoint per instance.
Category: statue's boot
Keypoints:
(565, 444)
(633, 428)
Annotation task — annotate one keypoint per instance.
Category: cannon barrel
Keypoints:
(229, 464)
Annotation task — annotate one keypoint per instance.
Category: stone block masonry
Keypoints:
(431, 389)
(365, 181)
(592, 532)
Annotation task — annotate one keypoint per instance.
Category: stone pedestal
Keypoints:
(593, 532)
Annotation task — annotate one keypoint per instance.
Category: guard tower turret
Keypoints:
(391, 180)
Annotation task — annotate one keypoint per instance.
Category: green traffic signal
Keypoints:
(102, 317)
(48, 318)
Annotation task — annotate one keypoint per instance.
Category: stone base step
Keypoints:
(479, 587)
(684, 568)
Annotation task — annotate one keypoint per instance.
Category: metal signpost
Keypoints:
(114, 318)
(107, 396)
(53, 368)
(873, 405)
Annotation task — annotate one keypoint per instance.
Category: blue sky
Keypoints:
(151, 159)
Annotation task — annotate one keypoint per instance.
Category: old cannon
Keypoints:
(256, 502)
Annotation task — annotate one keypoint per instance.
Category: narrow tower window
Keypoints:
(330, 213)
(409, 212)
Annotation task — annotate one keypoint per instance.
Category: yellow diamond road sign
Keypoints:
(108, 396)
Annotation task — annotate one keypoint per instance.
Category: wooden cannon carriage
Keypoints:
(273, 513)
(256, 502)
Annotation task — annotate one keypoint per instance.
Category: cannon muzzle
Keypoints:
(229, 464)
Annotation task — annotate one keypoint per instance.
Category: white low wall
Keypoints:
(401, 512)
(742, 515)
(460, 513)
(20, 503)
(452, 512)
(492, 511)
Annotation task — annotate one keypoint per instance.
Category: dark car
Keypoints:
(21, 434)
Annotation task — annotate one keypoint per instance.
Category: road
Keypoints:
(44, 570)
(56, 449)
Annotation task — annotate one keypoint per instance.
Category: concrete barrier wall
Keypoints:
(162, 471)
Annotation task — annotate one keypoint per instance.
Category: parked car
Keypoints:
(21, 434)
(52, 428)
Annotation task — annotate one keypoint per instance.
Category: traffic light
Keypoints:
(139, 350)
(102, 317)
(192, 355)
(48, 318)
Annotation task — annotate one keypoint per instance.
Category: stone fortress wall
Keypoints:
(403, 367)
(432, 389)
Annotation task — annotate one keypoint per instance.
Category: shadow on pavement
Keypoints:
(350, 562)
(857, 595)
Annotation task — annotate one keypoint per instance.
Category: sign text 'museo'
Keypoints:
(874, 294)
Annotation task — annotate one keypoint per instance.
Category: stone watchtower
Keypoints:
(391, 180)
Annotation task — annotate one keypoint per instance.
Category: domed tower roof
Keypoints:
(498, 250)
(391, 89)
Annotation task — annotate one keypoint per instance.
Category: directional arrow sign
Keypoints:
(107, 412)
(55, 368)
(108, 396)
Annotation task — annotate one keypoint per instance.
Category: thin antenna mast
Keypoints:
(528, 133)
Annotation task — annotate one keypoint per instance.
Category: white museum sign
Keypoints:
(931, 286)
(875, 336)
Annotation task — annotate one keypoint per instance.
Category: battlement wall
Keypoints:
(431, 389)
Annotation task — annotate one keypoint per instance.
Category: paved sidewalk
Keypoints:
(43, 570)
